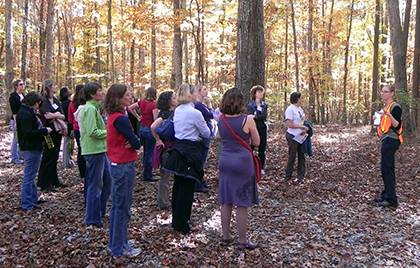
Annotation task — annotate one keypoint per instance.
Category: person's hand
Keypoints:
(127, 145)
(49, 130)
(159, 143)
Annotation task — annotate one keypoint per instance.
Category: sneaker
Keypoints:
(132, 252)
(262, 172)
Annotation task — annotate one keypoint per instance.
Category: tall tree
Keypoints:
(110, 52)
(250, 48)
(23, 62)
(399, 38)
(295, 48)
(416, 68)
(375, 74)
(312, 115)
(176, 78)
(153, 49)
(49, 49)
(9, 45)
(346, 59)
(98, 68)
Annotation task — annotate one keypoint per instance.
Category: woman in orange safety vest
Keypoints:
(390, 133)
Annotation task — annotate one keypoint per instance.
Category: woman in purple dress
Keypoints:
(237, 184)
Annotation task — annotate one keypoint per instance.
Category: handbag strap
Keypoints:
(246, 146)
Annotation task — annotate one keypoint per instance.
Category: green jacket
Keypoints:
(92, 129)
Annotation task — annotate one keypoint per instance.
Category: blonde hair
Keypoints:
(184, 93)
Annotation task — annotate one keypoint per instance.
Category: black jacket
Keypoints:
(15, 103)
(29, 130)
(185, 159)
(260, 116)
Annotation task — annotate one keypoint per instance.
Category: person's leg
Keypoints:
(226, 215)
(81, 163)
(44, 173)
(183, 196)
(14, 147)
(66, 160)
(31, 164)
(293, 146)
(149, 145)
(118, 221)
(131, 176)
(301, 163)
(175, 202)
(55, 155)
(242, 223)
(263, 145)
(163, 190)
(388, 149)
(94, 174)
(106, 184)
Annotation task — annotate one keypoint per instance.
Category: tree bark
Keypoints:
(250, 49)
(312, 115)
(375, 74)
(295, 48)
(176, 80)
(49, 49)
(9, 45)
(110, 54)
(23, 66)
(98, 68)
(346, 59)
(416, 68)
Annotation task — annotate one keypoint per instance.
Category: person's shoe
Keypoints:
(17, 162)
(387, 204)
(286, 179)
(248, 246)
(132, 252)
(300, 180)
(377, 199)
(61, 185)
(262, 172)
(41, 201)
(153, 179)
(226, 242)
(95, 225)
(201, 189)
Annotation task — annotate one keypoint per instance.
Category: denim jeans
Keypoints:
(29, 196)
(14, 147)
(122, 176)
(148, 142)
(388, 149)
(98, 187)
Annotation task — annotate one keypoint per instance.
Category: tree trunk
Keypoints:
(98, 69)
(399, 37)
(346, 59)
(176, 80)
(295, 48)
(250, 49)
(384, 41)
(110, 52)
(59, 56)
(42, 34)
(286, 63)
(9, 45)
(24, 67)
(153, 51)
(312, 115)
(132, 59)
(375, 75)
(68, 44)
(416, 69)
(49, 49)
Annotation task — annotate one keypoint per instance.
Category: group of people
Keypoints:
(176, 132)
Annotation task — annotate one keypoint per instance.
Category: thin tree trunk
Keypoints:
(49, 49)
(98, 68)
(346, 59)
(110, 56)
(250, 49)
(9, 45)
(416, 69)
(312, 115)
(132, 59)
(42, 34)
(24, 67)
(59, 56)
(286, 63)
(68, 45)
(384, 41)
(177, 48)
(375, 75)
(295, 48)
(153, 51)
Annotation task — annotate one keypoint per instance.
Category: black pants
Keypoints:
(262, 131)
(47, 175)
(81, 163)
(388, 149)
(182, 199)
(295, 148)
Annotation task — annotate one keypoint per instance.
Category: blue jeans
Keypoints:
(122, 195)
(148, 142)
(98, 187)
(29, 196)
(14, 147)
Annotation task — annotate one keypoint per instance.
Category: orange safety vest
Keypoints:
(386, 123)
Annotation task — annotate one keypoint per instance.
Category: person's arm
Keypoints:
(26, 126)
(395, 116)
(250, 108)
(201, 125)
(133, 110)
(251, 128)
(89, 124)
(153, 128)
(289, 121)
(207, 113)
(155, 113)
(123, 125)
(14, 105)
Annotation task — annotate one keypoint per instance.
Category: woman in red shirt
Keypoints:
(148, 112)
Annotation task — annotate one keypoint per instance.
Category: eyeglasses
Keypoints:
(21, 84)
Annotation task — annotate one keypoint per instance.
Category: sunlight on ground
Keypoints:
(345, 134)
(214, 223)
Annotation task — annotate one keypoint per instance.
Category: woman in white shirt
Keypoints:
(294, 118)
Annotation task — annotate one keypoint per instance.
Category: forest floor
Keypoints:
(329, 220)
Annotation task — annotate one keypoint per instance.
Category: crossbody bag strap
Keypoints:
(236, 136)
